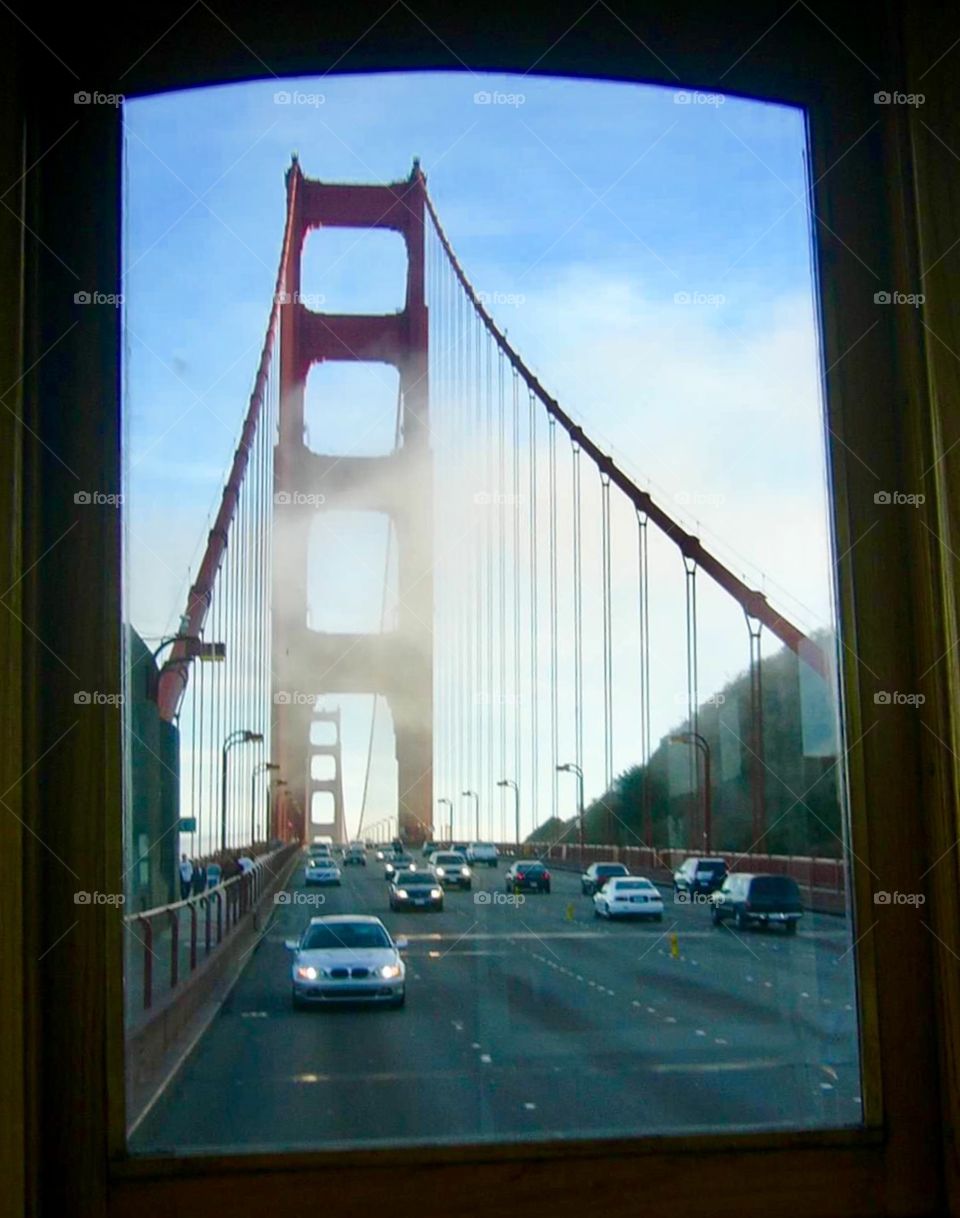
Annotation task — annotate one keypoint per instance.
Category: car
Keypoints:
(597, 874)
(319, 850)
(214, 875)
(528, 875)
(482, 852)
(626, 896)
(347, 957)
(429, 848)
(320, 870)
(416, 890)
(355, 856)
(699, 876)
(750, 899)
(451, 869)
(397, 862)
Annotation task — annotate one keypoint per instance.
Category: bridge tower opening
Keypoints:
(397, 663)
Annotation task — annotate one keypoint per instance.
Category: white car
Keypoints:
(348, 957)
(451, 869)
(629, 896)
(482, 852)
(320, 870)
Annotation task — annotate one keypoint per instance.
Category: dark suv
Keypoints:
(696, 876)
(752, 899)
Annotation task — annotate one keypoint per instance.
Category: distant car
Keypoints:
(527, 876)
(699, 876)
(451, 869)
(397, 862)
(430, 848)
(482, 852)
(416, 890)
(597, 874)
(629, 896)
(321, 870)
(214, 875)
(355, 856)
(751, 899)
(460, 848)
(318, 850)
(349, 957)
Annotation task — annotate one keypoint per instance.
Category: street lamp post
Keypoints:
(703, 746)
(508, 782)
(240, 736)
(260, 768)
(191, 648)
(449, 802)
(477, 798)
(570, 767)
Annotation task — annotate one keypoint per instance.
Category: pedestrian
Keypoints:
(186, 877)
(199, 879)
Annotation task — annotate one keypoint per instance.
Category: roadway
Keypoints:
(525, 1021)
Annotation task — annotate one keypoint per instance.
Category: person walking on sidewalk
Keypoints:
(186, 877)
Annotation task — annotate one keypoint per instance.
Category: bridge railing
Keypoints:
(165, 946)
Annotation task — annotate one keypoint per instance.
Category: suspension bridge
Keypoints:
(518, 643)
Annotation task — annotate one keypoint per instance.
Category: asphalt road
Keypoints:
(526, 1021)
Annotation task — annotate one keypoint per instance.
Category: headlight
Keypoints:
(309, 973)
(441, 872)
(390, 970)
(435, 893)
(465, 871)
(402, 893)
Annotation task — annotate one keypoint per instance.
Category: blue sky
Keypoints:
(587, 207)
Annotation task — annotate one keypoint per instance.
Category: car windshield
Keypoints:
(450, 860)
(528, 867)
(714, 865)
(320, 862)
(410, 878)
(611, 869)
(631, 885)
(345, 934)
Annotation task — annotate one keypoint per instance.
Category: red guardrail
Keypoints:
(220, 909)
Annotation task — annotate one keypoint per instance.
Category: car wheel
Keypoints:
(397, 1003)
(467, 887)
(715, 915)
(547, 888)
(296, 1001)
(596, 911)
(740, 920)
(790, 928)
(658, 917)
(606, 912)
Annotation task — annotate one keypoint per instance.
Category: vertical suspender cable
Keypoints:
(534, 623)
(693, 698)
(515, 557)
(607, 644)
(554, 695)
(502, 578)
(577, 612)
(643, 586)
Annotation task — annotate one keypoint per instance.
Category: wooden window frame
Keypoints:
(887, 208)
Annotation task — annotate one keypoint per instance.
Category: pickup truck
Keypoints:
(482, 852)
